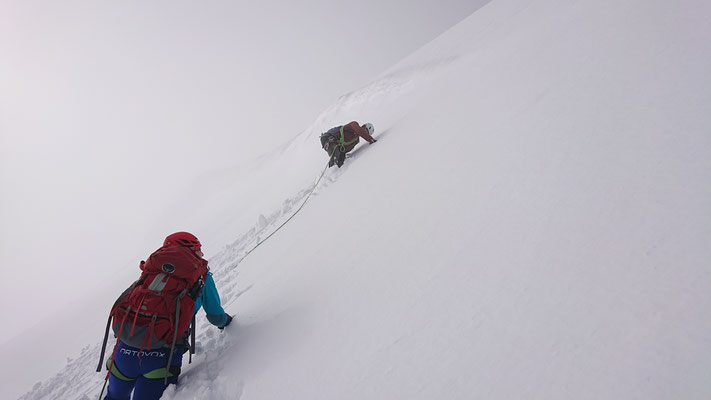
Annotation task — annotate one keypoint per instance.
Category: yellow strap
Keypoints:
(343, 142)
(115, 372)
(157, 374)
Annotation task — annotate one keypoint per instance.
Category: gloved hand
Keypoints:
(229, 319)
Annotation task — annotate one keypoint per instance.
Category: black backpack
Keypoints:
(331, 135)
(335, 135)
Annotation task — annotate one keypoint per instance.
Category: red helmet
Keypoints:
(183, 239)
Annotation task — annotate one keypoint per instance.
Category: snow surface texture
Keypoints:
(532, 224)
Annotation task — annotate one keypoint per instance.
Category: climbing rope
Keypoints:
(295, 212)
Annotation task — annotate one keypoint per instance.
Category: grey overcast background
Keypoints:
(108, 108)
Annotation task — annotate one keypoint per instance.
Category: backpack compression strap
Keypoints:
(175, 334)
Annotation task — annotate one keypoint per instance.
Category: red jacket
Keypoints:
(352, 130)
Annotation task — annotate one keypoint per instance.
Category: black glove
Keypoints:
(229, 319)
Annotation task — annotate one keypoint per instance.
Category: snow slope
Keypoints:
(533, 223)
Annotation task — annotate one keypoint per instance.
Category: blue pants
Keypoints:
(143, 373)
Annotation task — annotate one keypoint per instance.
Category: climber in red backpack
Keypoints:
(152, 319)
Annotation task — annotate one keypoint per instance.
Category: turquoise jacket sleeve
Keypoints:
(209, 300)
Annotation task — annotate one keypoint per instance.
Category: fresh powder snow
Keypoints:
(533, 223)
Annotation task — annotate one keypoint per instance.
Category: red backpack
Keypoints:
(157, 309)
